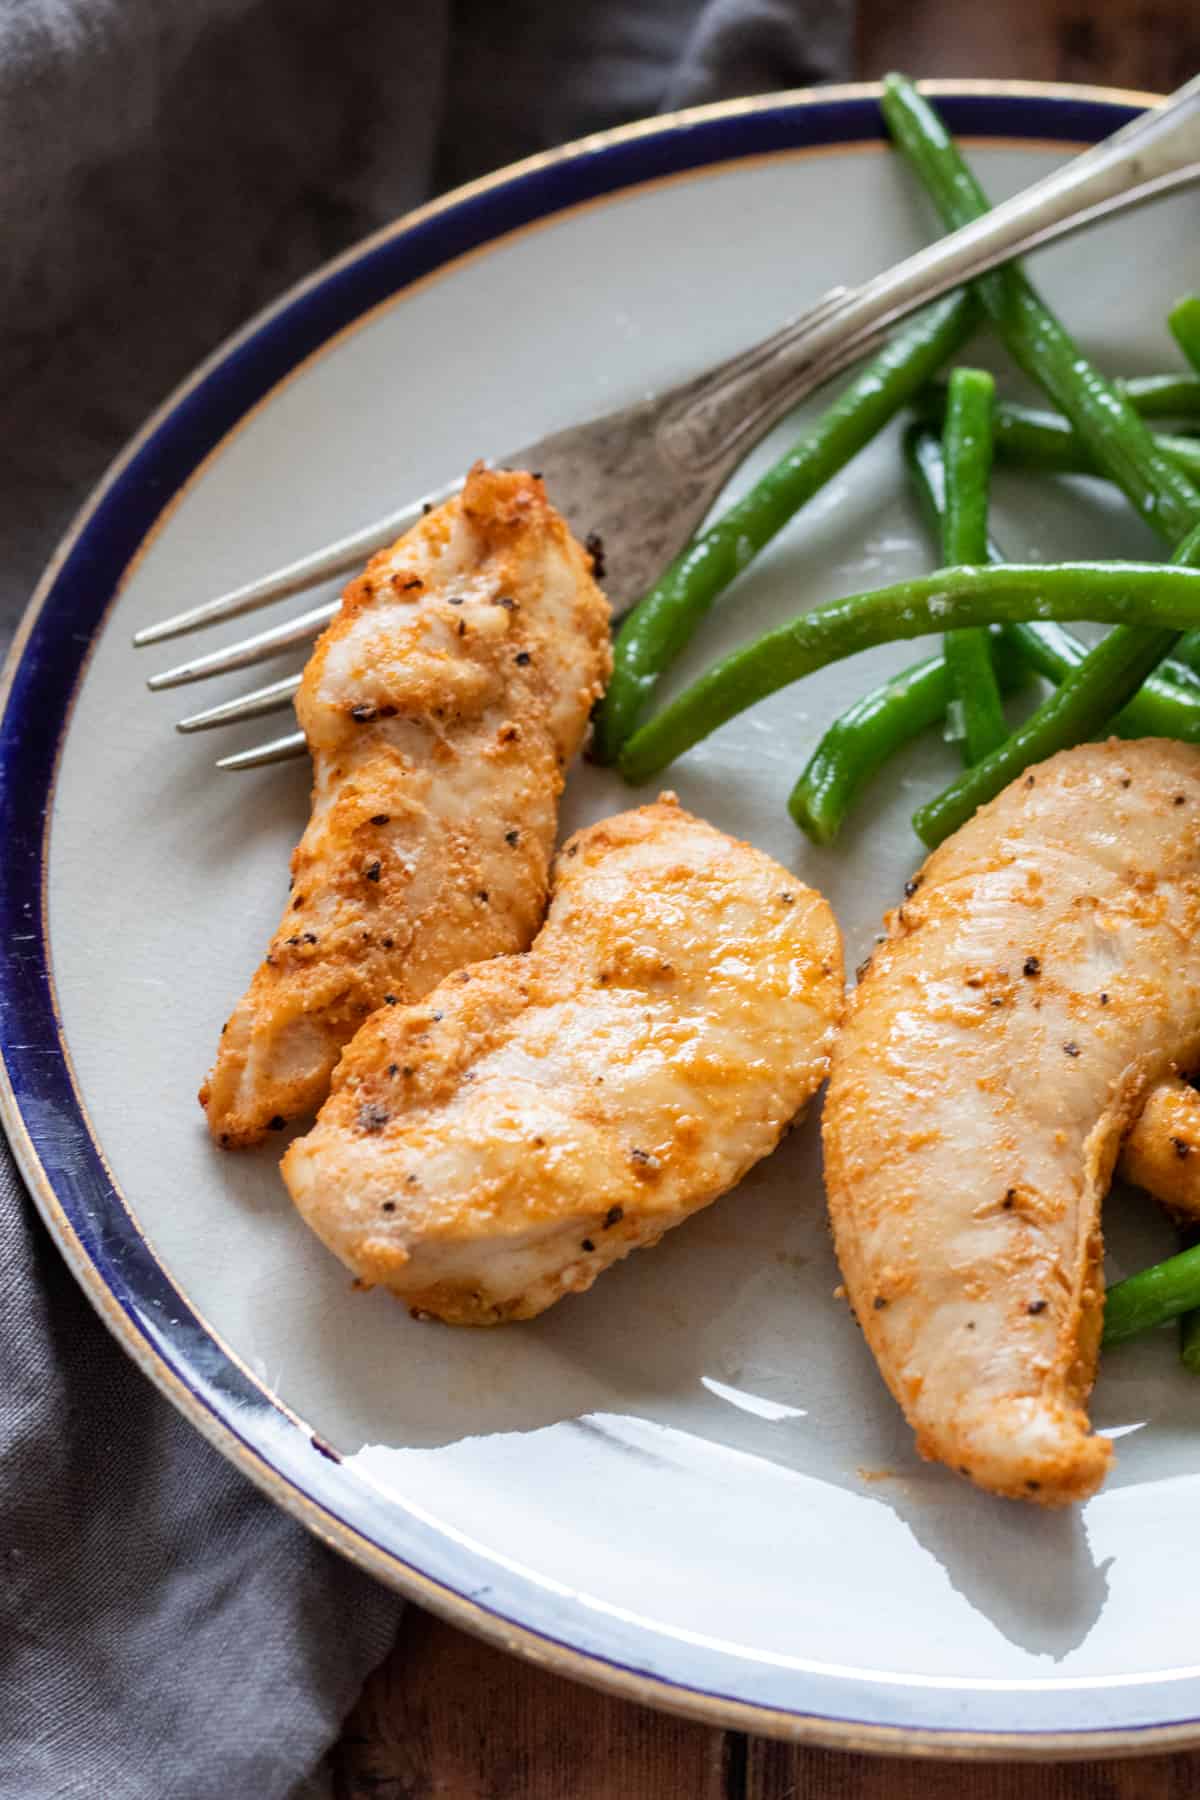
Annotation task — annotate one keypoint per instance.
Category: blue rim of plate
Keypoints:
(64, 1165)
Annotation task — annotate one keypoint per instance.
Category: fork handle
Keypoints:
(742, 398)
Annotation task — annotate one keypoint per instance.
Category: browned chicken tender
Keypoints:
(1162, 1152)
(1039, 981)
(540, 1116)
(441, 708)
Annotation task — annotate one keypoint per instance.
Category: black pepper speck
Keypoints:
(593, 543)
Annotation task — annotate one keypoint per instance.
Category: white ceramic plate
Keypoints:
(690, 1483)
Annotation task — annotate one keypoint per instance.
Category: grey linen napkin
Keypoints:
(166, 1633)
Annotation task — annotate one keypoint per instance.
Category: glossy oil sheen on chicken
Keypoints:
(540, 1116)
(441, 708)
(1041, 977)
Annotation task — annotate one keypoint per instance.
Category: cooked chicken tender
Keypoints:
(1041, 977)
(441, 708)
(1162, 1152)
(540, 1116)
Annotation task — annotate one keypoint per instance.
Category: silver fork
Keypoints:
(637, 482)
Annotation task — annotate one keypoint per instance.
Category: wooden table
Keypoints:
(447, 1716)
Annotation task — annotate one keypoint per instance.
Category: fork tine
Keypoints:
(251, 650)
(282, 749)
(272, 698)
(334, 559)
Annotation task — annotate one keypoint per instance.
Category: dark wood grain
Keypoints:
(781, 1772)
(1109, 42)
(450, 1718)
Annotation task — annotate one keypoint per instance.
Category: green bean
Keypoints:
(1185, 323)
(1158, 595)
(1028, 437)
(1101, 685)
(1189, 1322)
(1189, 1340)
(1166, 704)
(1114, 435)
(1108, 424)
(967, 445)
(1187, 651)
(1163, 396)
(870, 731)
(1152, 1297)
(1184, 320)
(868, 734)
(662, 624)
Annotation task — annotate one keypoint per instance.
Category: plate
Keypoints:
(688, 1485)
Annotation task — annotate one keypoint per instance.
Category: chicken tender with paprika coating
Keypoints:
(1039, 981)
(441, 708)
(538, 1117)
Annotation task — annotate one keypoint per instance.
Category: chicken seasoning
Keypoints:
(1029, 1097)
(372, 664)
(760, 1040)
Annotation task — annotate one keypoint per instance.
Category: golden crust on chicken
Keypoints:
(1040, 979)
(1162, 1152)
(441, 708)
(537, 1117)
